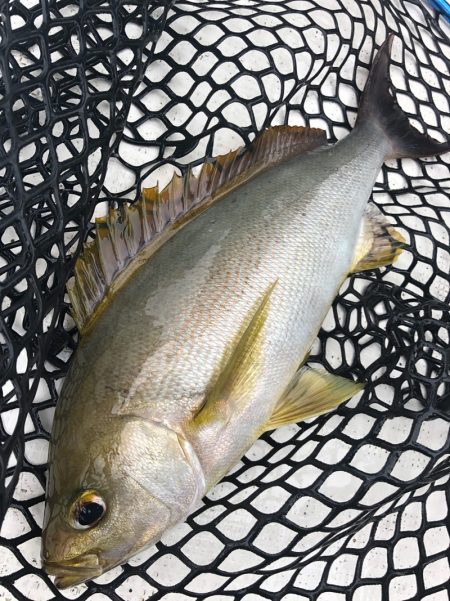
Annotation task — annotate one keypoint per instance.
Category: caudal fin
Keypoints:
(379, 106)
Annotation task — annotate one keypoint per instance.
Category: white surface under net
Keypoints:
(352, 505)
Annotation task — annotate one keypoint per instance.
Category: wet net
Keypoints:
(349, 506)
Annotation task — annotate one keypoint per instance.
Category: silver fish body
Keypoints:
(142, 376)
(162, 340)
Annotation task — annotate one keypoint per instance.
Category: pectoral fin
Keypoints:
(379, 243)
(240, 368)
(311, 392)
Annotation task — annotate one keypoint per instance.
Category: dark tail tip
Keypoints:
(378, 105)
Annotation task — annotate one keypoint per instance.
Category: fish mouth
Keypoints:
(70, 572)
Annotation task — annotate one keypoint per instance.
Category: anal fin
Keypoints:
(379, 242)
(311, 392)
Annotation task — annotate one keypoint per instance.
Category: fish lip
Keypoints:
(62, 582)
(76, 570)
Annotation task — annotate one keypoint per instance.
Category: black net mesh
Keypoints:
(349, 506)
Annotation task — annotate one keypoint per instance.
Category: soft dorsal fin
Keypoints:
(128, 237)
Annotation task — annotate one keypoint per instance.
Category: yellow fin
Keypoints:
(311, 392)
(240, 369)
(138, 230)
(379, 243)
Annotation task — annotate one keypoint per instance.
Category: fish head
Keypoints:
(113, 496)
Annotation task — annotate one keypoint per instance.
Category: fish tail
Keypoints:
(379, 107)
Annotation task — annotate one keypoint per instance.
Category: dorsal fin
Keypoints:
(126, 238)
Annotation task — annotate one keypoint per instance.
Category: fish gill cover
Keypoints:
(349, 506)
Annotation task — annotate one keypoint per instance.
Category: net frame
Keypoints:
(54, 183)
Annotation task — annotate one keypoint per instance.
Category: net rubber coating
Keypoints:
(100, 98)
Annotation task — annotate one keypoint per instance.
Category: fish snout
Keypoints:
(76, 570)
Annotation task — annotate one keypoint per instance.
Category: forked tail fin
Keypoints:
(379, 106)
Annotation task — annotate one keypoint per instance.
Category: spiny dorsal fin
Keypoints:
(126, 238)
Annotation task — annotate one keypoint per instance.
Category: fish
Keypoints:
(197, 307)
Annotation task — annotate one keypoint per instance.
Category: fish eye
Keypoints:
(87, 510)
